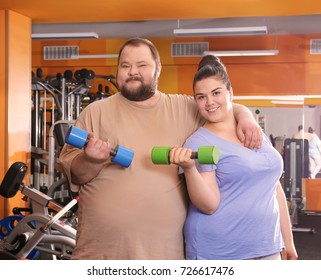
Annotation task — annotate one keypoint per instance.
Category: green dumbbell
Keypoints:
(205, 155)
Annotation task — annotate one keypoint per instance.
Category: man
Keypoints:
(136, 212)
(301, 134)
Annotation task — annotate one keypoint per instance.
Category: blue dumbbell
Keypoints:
(79, 138)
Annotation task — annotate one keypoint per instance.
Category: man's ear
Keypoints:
(159, 69)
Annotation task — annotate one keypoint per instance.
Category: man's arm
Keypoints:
(248, 130)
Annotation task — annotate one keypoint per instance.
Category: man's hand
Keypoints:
(86, 165)
(96, 150)
(249, 132)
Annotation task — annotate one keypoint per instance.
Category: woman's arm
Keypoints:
(248, 130)
(289, 253)
(202, 187)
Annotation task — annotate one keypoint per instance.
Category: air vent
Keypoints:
(315, 46)
(60, 52)
(189, 49)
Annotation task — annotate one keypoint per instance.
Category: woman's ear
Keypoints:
(231, 94)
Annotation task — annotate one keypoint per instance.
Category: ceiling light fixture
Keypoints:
(274, 99)
(242, 53)
(57, 36)
(226, 31)
(79, 56)
(290, 102)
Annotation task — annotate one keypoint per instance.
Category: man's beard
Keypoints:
(143, 92)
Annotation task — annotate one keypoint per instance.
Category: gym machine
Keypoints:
(47, 125)
(67, 94)
(296, 167)
(38, 232)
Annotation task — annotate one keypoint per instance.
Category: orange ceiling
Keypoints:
(55, 11)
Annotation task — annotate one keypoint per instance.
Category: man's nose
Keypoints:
(133, 70)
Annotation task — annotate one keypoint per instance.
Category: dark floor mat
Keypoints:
(308, 245)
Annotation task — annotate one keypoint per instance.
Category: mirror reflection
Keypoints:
(293, 124)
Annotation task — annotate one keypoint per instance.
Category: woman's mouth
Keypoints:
(213, 109)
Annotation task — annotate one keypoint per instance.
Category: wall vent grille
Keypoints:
(315, 46)
(60, 52)
(189, 49)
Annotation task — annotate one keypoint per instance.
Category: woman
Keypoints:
(238, 208)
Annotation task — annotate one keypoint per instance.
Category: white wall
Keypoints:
(312, 117)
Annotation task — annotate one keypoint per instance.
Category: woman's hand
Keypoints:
(182, 157)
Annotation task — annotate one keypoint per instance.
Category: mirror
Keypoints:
(279, 117)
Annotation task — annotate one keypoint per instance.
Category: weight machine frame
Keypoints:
(296, 167)
(39, 230)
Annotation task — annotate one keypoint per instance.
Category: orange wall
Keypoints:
(3, 102)
(15, 96)
(99, 66)
(313, 194)
(293, 71)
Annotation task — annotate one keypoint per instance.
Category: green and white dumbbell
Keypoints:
(204, 155)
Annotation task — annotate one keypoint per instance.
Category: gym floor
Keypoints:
(308, 245)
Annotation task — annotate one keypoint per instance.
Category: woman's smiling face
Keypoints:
(213, 99)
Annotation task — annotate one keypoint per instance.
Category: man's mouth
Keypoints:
(133, 80)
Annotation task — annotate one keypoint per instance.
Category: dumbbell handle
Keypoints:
(113, 151)
(194, 155)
